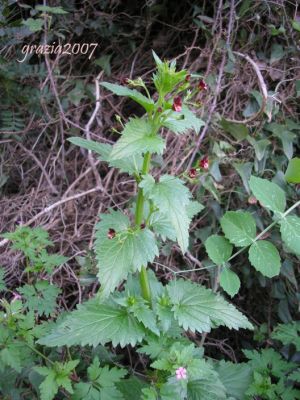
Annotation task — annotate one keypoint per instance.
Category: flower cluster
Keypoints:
(181, 373)
(202, 164)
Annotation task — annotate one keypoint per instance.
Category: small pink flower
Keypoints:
(181, 373)
(177, 104)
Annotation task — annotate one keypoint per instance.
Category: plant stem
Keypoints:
(140, 197)
(139, 213)
(145, 286)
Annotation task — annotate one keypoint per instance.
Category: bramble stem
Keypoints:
(139, 214)
(267, 229)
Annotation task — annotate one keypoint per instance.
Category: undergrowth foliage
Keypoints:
(161, 320)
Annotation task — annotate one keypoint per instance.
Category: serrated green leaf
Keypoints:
(166, 78)
(193, 208)
(184, 121)
(235, 377)
(2, 281)
(295, 376)
(288, 333)
(218, 249)
(290, 232)
(57, 376)
(133, 94)
(265, 258)
(171, 197)
(137, 137)
(40, 297)
(239, 227)
(230, 282)
(292, 174)
(144, 314)
(198, 309)
(268, 361)
(11, 356)
(49, 387)
(93, 323)
(98, 148)
(209, 388)
(127, 252)
(270, 195)
(128, 165)
(131, 388)
(162, 226)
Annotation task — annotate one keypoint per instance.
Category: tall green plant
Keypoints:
(145, 312)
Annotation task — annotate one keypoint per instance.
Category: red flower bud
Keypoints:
(204, 163)
(159, 110)
(188, 77)
(177, 104)
(143, 226)
(124, 81)
(111, 233)
(202, 85)
(192, 173)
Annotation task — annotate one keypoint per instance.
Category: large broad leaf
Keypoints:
(127, 252)
(137, 138)
(235, 377)
(171, 197)
(238, 131)
(230, 282)
(182, 122)
(292, 174)
(270, 195)
(218, 249)
(239, 227)
(119, 90)
(208, 388)
(94, 323)
(290, 232)
(131, 388)
(199, 309)
(265, 258)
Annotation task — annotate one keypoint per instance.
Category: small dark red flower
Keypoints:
(204, 163)
(111, 233)
(159, 110)
(202, 85)
(188, 77)
(252, 200)
(143, 226)
(177, 104)
(192, 173)
(124, 81)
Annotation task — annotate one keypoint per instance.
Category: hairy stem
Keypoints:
(139, 214)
